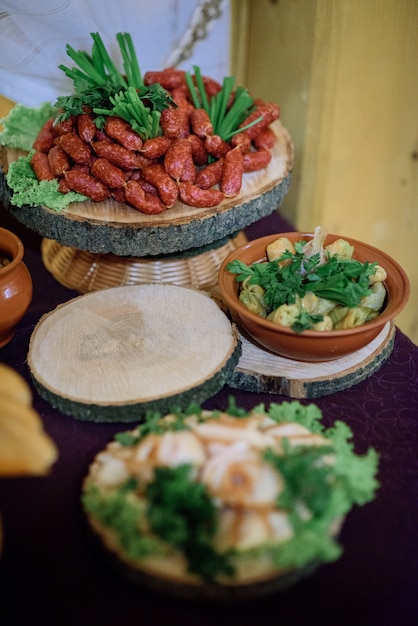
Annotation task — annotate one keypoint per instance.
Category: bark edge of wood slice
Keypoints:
(114, 354)
(260, 371)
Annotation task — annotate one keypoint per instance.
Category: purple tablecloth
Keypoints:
(51, 576)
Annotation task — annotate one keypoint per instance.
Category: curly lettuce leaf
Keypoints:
(22, 125)
(28, 190)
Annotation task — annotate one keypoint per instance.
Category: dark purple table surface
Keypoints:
(51, 576)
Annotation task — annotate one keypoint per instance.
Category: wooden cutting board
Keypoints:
(261, 371)
(112, 355)
(111, 227)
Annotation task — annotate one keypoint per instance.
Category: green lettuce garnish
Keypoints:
(20, 129)
(28, 190)
(22, 125)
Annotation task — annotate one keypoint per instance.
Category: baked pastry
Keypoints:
(25, 448)
(226, 505)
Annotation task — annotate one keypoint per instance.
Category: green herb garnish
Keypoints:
(101, 87)
(182, 513)
(130, 106)
(317, 493)
(226, 116)
(121, 511)
(343, 281)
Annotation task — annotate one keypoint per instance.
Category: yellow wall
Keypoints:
(345, 74)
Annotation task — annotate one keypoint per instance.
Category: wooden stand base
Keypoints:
(263, 372)
(86, 271)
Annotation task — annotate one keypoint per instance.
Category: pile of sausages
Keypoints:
(187, 162)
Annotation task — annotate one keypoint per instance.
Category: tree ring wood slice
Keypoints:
(113, 354)
(111, 227)
(261, 371)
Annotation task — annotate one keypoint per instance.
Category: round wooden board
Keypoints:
(111, 227)
(261, 371)
(112, 355)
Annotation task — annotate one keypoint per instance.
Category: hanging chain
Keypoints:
(197, 30)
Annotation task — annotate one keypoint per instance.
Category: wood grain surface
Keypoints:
(113, 354)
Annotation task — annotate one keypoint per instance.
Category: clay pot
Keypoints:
(313, 345)
(15, 285)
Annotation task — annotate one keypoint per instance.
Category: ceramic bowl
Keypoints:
(312, 345)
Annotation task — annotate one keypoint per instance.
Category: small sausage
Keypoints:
(175, 122)
(45, 138)
(87, 185)
(216, 146)
(117, 154)
(201, 123)
(266, 138)
(102, 136)
(199, 153)
(75, 148)
(178, 157)
(123, 133)
(166, 187)
(86, 128)
(242, 140)
(41, 167)
(268, 111)
(141, 200)
(58, 160)
(81, 167)
(210, 175)
(212, 87)
(181, 95)
(108, 173)
(156, 147)
(137, 175)
(195, 196)
(232, 173)
(119, 195)
(169, 78)
(189, 171)
(256, 160)
(64, 127)
(62, 186)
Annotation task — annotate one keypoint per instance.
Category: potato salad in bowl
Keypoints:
(312, 296)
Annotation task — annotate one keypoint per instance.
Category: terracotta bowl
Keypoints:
(15, 285)
(312, 345)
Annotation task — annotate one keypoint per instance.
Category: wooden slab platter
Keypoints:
(110, 227)
(261, 371)
(114, 354)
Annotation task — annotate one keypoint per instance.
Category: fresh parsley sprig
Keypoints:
(343, 281)
(181, 512)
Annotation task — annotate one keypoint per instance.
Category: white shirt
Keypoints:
(34, 35)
